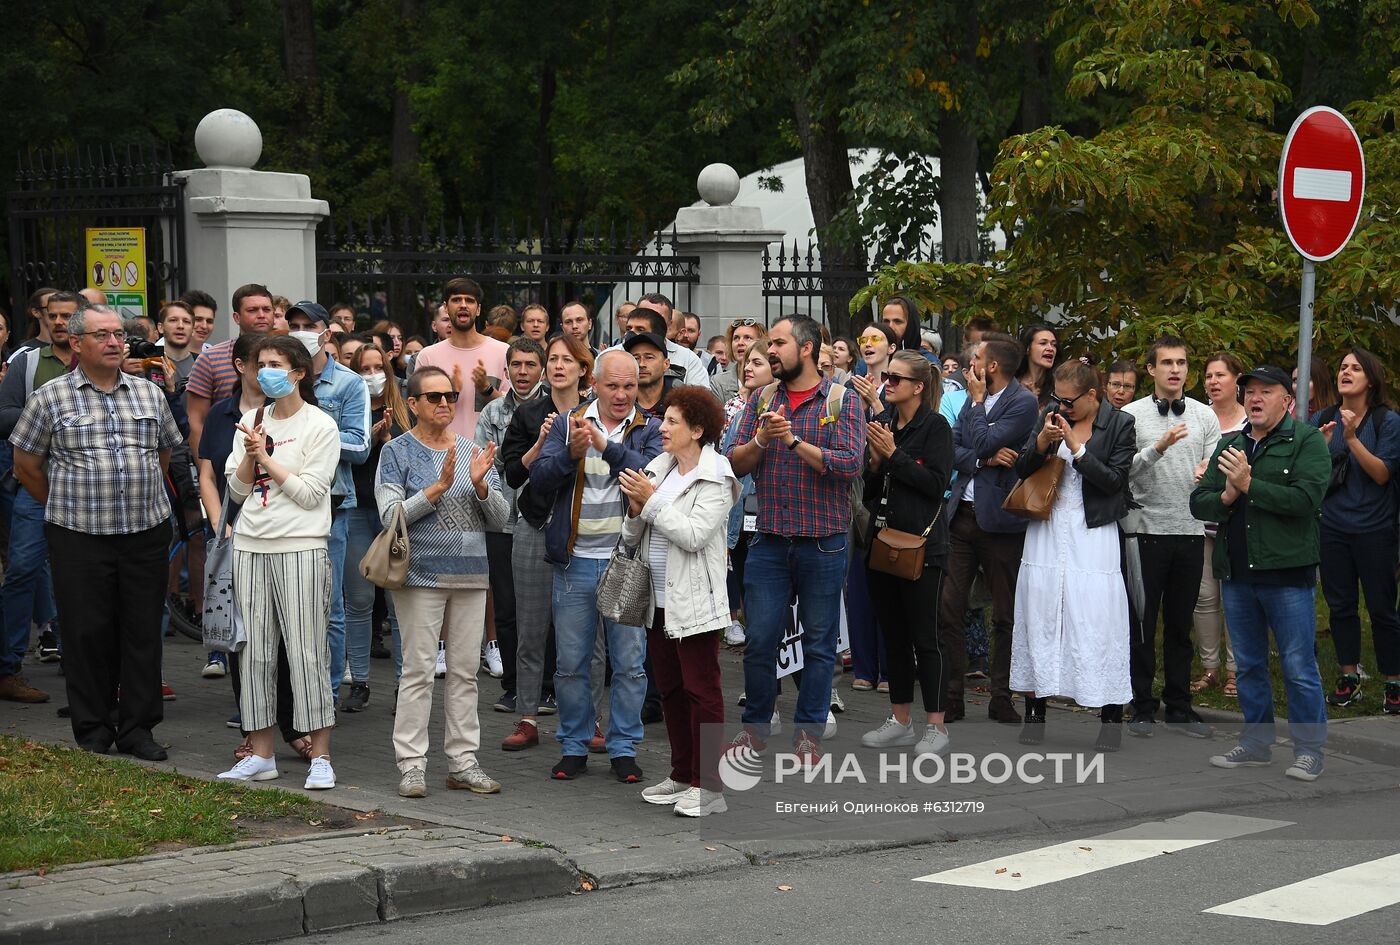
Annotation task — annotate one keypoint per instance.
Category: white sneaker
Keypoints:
(934, 742)
(413, 783)
(494, 667)
(890, 735)
(735, 635)
(214, 669)
(836, 704)
(441, 671)
(667, 792)
(830, 730)
(321, 777)
(346, 678)
(775, 725)
(252, 768)
(698, 802)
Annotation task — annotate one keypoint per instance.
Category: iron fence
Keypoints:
(57, 195)
(396, 269)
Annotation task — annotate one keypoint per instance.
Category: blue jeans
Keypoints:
(335, 550)
(575, 602)
(778, 568)
(867, 642)
(27, 596)
(361, 529)
(1251, 610)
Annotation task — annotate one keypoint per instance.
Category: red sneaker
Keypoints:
(526, 735)
(166, 692)
(745, 740)
(807, 750)
(598, 744)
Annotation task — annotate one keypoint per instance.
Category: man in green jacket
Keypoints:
(1264, 487)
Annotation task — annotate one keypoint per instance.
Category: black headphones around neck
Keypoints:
(1177, 407)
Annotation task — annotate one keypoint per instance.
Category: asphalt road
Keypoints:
(1151, 885)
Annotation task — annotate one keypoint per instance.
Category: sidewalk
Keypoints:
(594, 828)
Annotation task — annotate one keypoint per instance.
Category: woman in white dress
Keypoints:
(1072, 625)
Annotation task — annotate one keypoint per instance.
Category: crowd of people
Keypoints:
(774, 478)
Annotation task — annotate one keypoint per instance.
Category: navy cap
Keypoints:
(315, 310)
(1269, 375)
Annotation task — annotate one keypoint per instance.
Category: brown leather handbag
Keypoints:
(896, 553)
(1034, 496)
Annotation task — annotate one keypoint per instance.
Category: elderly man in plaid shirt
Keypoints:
(93, 446)
(804, 456)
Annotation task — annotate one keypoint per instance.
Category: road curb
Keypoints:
(1344, 736)
(241, 897)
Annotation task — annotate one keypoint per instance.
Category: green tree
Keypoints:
(1165, 221)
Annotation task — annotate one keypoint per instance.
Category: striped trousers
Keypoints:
(287, 596)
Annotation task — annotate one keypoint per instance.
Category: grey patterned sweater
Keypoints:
(447, 541)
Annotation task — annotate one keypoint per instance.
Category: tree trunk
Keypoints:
(299, 48)
(828, 170)
(405, 306)
(1035, 86)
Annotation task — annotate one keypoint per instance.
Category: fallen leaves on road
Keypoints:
(712, 849)
(784, 889)
(1000, 871)
(1086, 849)
(369, 816)
(506, 838)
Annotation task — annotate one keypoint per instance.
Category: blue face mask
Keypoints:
(275, 382)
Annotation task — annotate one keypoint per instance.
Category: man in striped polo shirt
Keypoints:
(579, 464)
(213, 377)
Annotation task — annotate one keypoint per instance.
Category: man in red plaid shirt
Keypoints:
(804, 456)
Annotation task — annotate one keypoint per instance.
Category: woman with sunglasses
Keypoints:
(877, 343)
(740, 336)
(909, 466)
(280, 472)
(449, 493)
(1072, 622)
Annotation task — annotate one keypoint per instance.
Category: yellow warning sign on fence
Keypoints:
(116, 264)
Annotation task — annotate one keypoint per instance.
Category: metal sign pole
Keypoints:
(1305, 333)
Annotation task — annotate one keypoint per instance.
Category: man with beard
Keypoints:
(805, 450)
(468, 356)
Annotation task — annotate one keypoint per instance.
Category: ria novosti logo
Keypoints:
(741, 768)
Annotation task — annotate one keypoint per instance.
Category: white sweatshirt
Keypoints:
(295, 516)
(1162, 482)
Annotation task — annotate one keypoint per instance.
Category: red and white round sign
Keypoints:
(1321, 179)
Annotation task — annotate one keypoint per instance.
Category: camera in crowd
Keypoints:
(141, 348)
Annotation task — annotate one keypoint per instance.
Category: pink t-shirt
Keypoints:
(489, 352)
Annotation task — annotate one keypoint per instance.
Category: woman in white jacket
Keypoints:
(677, 515)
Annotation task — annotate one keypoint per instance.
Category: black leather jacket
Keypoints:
(1107, 459)
(524, 429)
(917, 476)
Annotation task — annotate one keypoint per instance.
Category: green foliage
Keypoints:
(1165, 221)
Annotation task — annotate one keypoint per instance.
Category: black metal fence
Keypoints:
(794, 282)
(395, 269)
(57, 195)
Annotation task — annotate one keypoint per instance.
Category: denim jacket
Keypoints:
(342, 393)
(747, 486)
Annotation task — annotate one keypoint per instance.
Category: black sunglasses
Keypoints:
(743, 323)
(438, 396)
(895, 379)
(1066, 403)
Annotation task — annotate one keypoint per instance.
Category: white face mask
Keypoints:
(311, 340)
(375, 383)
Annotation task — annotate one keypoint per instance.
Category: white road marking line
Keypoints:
(1322, 900)
(1317, 183)
(1081, 857)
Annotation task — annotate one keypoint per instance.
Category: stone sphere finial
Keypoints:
(718, 185)
(228, 138)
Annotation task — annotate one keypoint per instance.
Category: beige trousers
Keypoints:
(460, 616)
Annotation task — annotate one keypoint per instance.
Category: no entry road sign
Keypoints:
(1321, 178)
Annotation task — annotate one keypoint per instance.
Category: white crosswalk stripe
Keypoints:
(1080, 857)
(1323, 900)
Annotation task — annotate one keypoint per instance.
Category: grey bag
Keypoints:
(222, 622)
(624, 590)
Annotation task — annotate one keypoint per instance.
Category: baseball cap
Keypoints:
(644, 338)
(315, 310)
(1269, 375)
